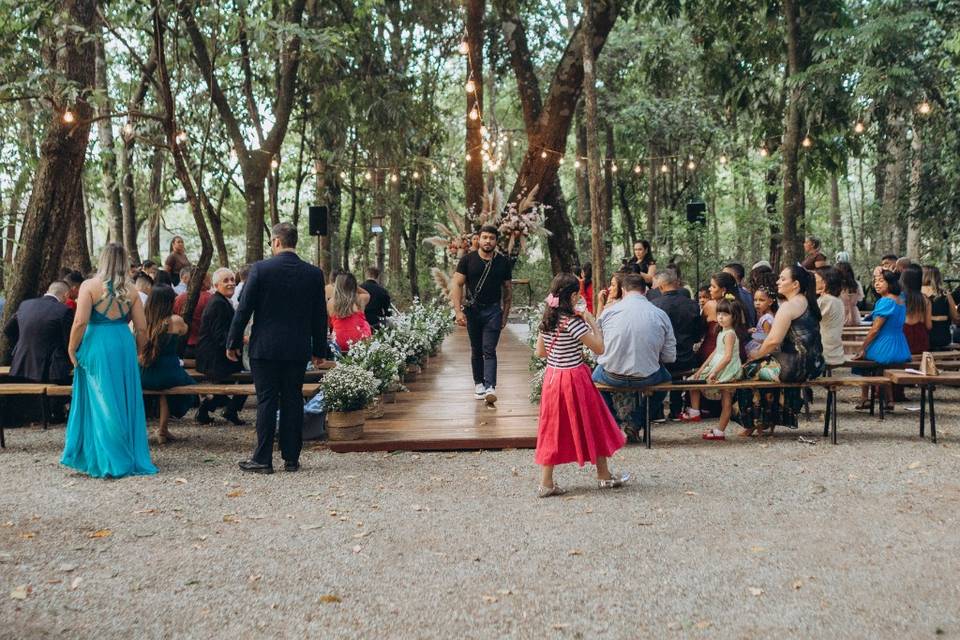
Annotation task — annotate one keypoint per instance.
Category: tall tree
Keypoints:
(473, 169)
(598, 203)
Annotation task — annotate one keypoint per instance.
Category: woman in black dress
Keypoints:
(944, 308)
(643, 261)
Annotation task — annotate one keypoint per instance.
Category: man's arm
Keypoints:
(456, 297)
(320, 347)
(242, 316)
(12, 329)
(506, 301)
(668, 354)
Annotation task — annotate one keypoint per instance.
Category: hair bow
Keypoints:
(552, 301)
(729, 296)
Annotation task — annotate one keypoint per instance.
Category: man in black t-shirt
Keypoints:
(378, 309)
(486, 275)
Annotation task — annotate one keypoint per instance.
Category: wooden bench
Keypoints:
(926, 384)
(831, 384)
(45, 391)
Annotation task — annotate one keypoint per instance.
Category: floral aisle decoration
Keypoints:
(383, 360)
(347, 390)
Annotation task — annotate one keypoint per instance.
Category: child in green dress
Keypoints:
(723, 365)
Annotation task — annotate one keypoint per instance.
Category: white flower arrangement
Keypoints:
(348, 387)
(380, 358)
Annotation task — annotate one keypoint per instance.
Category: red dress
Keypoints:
(587, 294)
(709, 341)
(353, 328)
(575, 423)
(918, 338)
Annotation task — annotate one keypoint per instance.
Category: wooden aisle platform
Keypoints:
(439, 412)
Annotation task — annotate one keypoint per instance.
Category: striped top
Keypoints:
(564, 350)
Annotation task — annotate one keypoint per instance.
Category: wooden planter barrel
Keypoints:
(346, 425)
(375, 410)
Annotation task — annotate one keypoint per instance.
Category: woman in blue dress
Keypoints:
(107, 431)
(160, 360)
(885, 343)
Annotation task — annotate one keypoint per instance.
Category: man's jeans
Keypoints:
(639, 414)
(483, 327)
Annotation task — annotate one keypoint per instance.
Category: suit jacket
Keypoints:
(688, 327)
(41, 331)
(285, 297)
(379, 306)
(212, 345)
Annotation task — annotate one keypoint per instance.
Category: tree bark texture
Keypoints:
(155, 193)
(792, 190)
(916, 175)
(473, 168)
(890, 209)
(76, 252)
(128, 200)
(71, 52)
(108, 157)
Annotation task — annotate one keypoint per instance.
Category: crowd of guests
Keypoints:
(139, 307)
(761, 325)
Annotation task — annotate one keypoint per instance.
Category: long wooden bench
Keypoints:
(45, 391)
(831, 384)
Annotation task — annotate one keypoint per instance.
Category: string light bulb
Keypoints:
(343, 176)
(474, 114)
(416, 175)
(464, 48)
(560, 161)
(637, 169)
(924, 108)
(68, 116)
(664, 168)
(723, 159)
(516, 143)
(691, 165)
(368, 175)
(543, 154)
(763, 152)
(858, 127)
(394, 177)
(576, 164)
(274, 163)
(807, 142)
(181, 137)
(471, 86)
(614, 168)
(468, 157)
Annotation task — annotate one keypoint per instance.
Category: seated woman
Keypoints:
(722, 286)
(885, 343)
(919, 319)
(345, 310)
(791, 352)
(612, 294)
(586, 285)
(160, 364)
(851, 294)
(942, 307)
(831, 315)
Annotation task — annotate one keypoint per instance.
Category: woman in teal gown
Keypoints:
(107, 430)
(160, 360)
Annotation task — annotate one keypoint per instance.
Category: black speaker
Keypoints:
(697, 212)
(318, 220)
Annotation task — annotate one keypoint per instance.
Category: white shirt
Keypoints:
(637, 337)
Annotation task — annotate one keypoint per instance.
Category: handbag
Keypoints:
(928, 365)
(470, 299)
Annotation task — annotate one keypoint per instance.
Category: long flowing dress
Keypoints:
(107, 430)
(166, 372)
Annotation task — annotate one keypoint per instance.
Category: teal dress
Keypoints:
(107, 430)
(165, 372)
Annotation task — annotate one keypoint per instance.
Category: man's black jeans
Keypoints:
(483, 326)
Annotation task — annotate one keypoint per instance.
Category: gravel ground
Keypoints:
(743, 539)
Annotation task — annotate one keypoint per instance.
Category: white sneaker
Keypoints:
(490, 397)
(479, 391)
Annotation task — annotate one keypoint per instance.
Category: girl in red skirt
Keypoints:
(575, 423)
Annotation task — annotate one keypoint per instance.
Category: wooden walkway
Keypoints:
(439, 412)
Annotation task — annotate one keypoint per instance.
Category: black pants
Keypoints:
(483, 327)
(232, 404)
(279, 385)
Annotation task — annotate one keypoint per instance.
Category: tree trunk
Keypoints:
(836, 222)
(76, 252)
(156, 203)
(792, 189)
(583, 184)
(128, 199)
(413, 241)
(548, 126)
(652, 210)
(776, 238)
(893, 185)
(916, 174)
(608, 164)
(598, 204)
(108, 158)
(71, 52)
(395, 267)
(473, 168)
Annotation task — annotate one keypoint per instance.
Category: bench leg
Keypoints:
(882, 402)
(833, 420)
(3, 442)
(873, 397)
(45, 410)
(923, 409)
(933, 415)
(646, 427)
(826, 413)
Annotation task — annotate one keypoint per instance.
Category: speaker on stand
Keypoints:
(318, 224)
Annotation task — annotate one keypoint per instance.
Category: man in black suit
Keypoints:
(212, 348)
(40, 331)
(688, 328)
(285, 296)
(378, 309)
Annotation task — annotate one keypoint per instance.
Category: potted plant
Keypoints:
(381, 359)
(347, 390)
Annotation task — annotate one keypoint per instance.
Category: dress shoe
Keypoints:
(203, 417)
(234, 418)
(291, 466)
(255, 467)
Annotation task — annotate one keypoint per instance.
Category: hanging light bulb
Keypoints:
(468, 157)
(274, 163)
(181, 137)
(576, 164)
(691, 165)
(664, 168)
(560, 161)
(763, 152)
(128, 129)
(416, 175)
(924, 108)
(394, 177)
(464, 48)
(723, 159)
(474, 114)
(433, 171)
(807, 142)
(368, 175)
(637, 169)
(614, 168)
(858, 127)
(471, 86)
(68, 116)
(516, 143)
(343, 175)
(543, 154)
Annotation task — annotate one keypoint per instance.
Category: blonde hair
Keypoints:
(345, 297)
(933, 279)
(113, 269)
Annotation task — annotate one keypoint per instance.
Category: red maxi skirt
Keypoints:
(575, 423)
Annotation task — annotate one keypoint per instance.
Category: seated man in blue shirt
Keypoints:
(637, 340)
